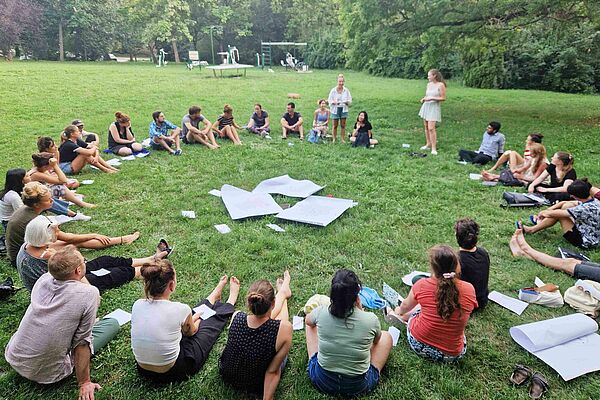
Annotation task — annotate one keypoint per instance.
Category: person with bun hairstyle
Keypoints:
(225, 126)
(437, 330)
(431, 109)
(46, 144)
(535, 166)
(121, 140)
(45, 170)
(346, 347)
(171, 342)
(259, 342)
(579, 219)
(561, 174)
(76, 154)
(59, 332)
(474, 260)
(339, 100)
(41, 243)
(516, 162)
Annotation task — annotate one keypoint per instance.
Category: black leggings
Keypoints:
(194, 350)
(474, 157)
(121, 272)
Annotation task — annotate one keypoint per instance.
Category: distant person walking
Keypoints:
(431, 110)
(339, 100)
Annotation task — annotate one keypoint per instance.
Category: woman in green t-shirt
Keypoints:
(346, 347)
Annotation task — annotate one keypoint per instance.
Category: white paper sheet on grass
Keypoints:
(121, 316)
(407, 279)
(395, 334)
(515, 305)
(317, 210)
(568, 344)
(60, 219)
(242, 204)
(204, 311)
(298, 323)
(114, 162)
(288, 187)
(100, 272)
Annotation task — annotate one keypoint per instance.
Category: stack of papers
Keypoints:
(113, 161)
(130, 157)
(242, 204)
(287, 186)
(317, 210)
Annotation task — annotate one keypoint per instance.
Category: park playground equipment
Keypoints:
(264, 58)
(230, 60)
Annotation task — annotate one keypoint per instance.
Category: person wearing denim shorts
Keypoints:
(339, 100)
(346, 346)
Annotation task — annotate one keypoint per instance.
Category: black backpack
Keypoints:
(514, 199)
(7, 288)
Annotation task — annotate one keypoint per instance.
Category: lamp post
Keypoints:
(212, 48)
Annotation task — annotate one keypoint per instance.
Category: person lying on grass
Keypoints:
(437, 331)
(59, 329)
(191, 132)
(346, 347)
(225, 126)
(121, 140)
(170, 342)
(579, 219)
(41, 243)
(36, 199)
(76, 154)
(259, 342)
(572, 266)
(46, 144)
(160, 138)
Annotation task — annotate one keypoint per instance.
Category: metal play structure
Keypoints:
(229, 60)
(264, 57)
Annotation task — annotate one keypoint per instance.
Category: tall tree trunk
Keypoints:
(130, 56)
(61, 45)
(175, 52)
(152, 49)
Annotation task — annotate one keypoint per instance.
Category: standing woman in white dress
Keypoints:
(339, 99)
(431, 110)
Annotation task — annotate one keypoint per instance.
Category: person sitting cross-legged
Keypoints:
(346, 347)
(259, 122)
(160, 139)
(474, 260)
(291, 122)
(579, 219)
(169, 341)
(59, 332)
(191, 132)
(492, 146)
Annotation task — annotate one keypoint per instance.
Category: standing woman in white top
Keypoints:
(431, 110)
(339, 100)
(169, 341)
(10, 197)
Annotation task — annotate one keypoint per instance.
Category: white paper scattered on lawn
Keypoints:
(60, 219)
(142, 154)
(406, 145)
(188, 214)
(317, 210)
(113, 161)
(489, 183)
(475, 177)
(276, 227)
(242, 204)
(515, 305)
(568, 344)
(146, 142)
(130, 157)
(100, 272)
(287, 186)
(223, 228)
(407, 279)
(87, 182)
(204, 311)
(298, 323)
(395, 333)
(121, 316)
(215, 192)
(538, 282)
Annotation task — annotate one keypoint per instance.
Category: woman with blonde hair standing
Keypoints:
(431, 110)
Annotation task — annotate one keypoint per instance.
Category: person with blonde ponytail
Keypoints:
(437, 330)
(170, 342)
(259, 342)
(76, 154)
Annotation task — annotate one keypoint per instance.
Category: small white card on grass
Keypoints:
(188, 214)
(121, 316)
(100, 272)
(87, 181)
(475, 177)
(215, 192)
(223, 228)
(515, 305)
(538, 282)
(130, 157)
(276, 227)
(489, 183)
(146, 142)
(142, 154)
(406, 145)
(114, 162)
(298, 323)
(204, 311)
(395, 334)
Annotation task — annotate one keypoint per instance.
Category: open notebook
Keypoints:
(568, 344)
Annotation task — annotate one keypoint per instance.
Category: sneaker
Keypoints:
(434, 152)
(81, 217)
(267, 137)
(178, 152)
(425, 147)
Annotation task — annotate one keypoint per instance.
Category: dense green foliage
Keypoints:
(405, 206)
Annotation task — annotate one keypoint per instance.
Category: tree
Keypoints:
(17, 17)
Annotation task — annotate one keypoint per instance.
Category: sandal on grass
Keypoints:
(539, 386)
(520, 375)
(164, 246)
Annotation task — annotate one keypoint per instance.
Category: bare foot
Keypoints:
(234, 290)
(87, 205)
(159, 255)
(514, 247)
(130, 238)
(215, 295)
(522, 243)
(285, 285)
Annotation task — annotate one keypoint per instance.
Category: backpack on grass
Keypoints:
(514, 199)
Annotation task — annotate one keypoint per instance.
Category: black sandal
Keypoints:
(164, 246)
(539, 386)
(520, 375)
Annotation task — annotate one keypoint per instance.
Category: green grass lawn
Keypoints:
(405, 206)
